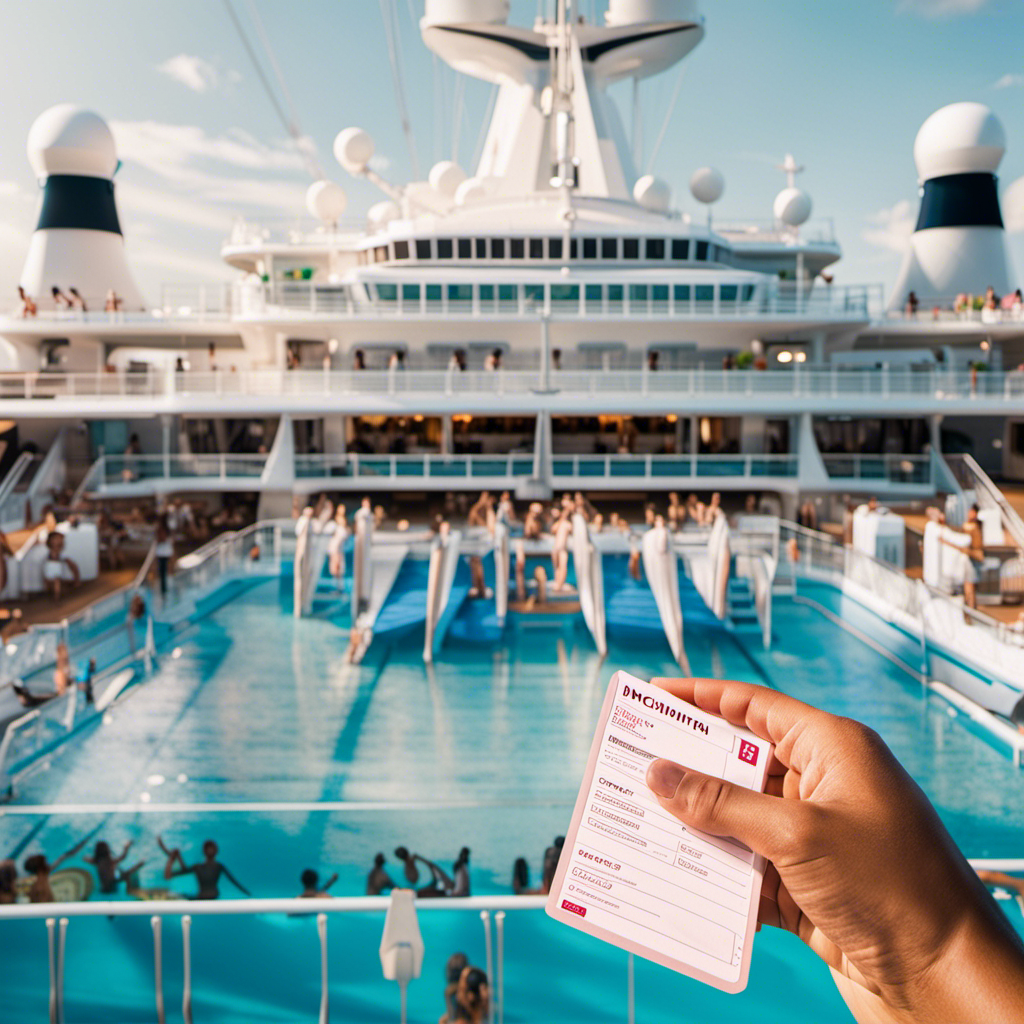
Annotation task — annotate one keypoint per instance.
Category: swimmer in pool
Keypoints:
(453, 969)
(378, 879)
(40, 890)
(311, 887)
(207, 871)
(108, 872)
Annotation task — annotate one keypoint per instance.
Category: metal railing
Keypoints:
(960, 308)
(131, 469)
(896, 469)
(655, 467)
(13, 492)
(972, 477)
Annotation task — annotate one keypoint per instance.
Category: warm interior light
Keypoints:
(418, 418)
(801, 357)
(332, 345)
(785, 356)
(672, 417)
(705, 430)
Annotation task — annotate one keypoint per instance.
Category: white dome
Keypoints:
(69, 140)
(381, 214)
(461, 12)
(963, 138)
(792, 207)
(634, 12)
(326, 200)
(707, 185)
(353, 149)
(653, 194)
(445, 177)
(472, 190)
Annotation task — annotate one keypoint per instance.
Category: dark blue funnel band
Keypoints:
(960, 201)
(77, 201)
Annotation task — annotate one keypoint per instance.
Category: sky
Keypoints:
(842, 85)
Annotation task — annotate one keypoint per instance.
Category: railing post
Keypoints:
(321, 929)
(158, 969)
(630, 990)
(51, 924)
(186, 955)
(499, 924)
(485, 918)
(61, 945)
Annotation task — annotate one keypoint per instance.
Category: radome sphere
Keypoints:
(66, 139)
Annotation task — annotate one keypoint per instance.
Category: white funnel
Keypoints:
(77, 242)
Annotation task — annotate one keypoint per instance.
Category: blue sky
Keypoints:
(842, 85)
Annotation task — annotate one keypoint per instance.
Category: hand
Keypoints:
(860, 866)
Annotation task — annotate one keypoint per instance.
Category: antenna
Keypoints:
(791, 169)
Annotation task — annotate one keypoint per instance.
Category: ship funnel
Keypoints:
(77, 242)
(959, 243)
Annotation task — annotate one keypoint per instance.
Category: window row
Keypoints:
(553, 248)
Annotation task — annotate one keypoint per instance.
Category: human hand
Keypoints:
(860, 866)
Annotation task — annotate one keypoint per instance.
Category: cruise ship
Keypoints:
(544, 323)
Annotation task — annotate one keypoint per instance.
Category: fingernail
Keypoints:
(663, 778)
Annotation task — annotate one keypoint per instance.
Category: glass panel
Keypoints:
(401, 250)
(659, 292)
(465, 248)
(508, 293)
(433, 293)
(748, 292)
(536, 248)
(497, 248)
(682, 292)
(631, 248)
(387, 292)
(565, 293)
(705, 293)
(460, 293)
(615, 293)
(680, 248)
(729, 292)
(554, 248)
(573, 249)
(410, 293)
(423, 248)
(609, 248)
(517, 248)
(590, 248)
(534, 293)
(638, 293)
(487, 293)
(593, 293)
(655, 248)
(444, 248)
(481, 248)
(702, 252)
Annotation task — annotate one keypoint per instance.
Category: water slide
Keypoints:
(313, 540)
(382, 565)
(442, 598)
(502, 553)
(662, 572)
(362, 562)
(589, 566)
(710, 569)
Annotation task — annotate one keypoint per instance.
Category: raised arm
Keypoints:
(74, 849)
(238, 885)
(124, 852)
(330, 881)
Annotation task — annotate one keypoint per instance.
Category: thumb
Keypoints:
(766, 824)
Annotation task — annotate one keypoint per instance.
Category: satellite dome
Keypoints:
(353, 149)
(963, 138)
(381, 214)
(326, 200)
(446, 177)
(653, 194)
(69, 140)
(792, 207)
(707, 185)
(472, 190)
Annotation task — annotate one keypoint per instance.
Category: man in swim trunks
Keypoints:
(378, 879)
(207, 871)
(311, 888)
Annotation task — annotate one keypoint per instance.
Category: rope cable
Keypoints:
(668, 118)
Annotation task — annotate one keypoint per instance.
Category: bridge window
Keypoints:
(705, 292)
(680, 248)
(631, 248)
(433, 293)
(565, 293)
(590, 248)
(444, 248)
(729, 292)
(702, 252)
(534, 293)
(615, 294)
(465, 248)
(401, 250)
(593, 294)
(508, 293)
(481, 248)
(536, 248)
(423, 248)
(487, 293)
(638, 293)
(681, 292)
(554, 248)
(410, 293)
(659, 292)
(387, 292)
(655, 248)
(609, 248)
(573, 249)
(497, 248)
(517, 248)
(460, 293)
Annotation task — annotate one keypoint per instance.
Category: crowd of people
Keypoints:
(990, 305)
(70, 301)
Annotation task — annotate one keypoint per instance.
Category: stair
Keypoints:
(740, 606)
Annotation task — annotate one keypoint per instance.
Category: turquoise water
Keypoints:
(250, 707)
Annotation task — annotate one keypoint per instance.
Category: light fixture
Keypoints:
(785, 356)
(672, 417)
(705, 430)
(418, 418)
(332, 345)
(801, 357)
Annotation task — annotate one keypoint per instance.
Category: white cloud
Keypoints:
(167, 205)
(941, 8)
(1010, 81)
(9, 188)
(1013, 206)
(891, 228)
(192, 72)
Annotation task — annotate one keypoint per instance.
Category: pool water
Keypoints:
(253, 731)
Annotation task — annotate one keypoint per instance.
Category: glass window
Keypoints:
(554, 248)
(681, 292)
(508, 293)
(593, 293)
(497, 248)
(631, 248)
(536, 248)
(748, 292)
(460, 293)
(565, 293)
(465, 248)
(534, 293)
(702, 252)
(705, 292)
(481, 248)
(423, 248)
(387, 292)
(590, 248)
(655, 248)
(517, 248)
(609, 248)
(638, 293)
(380, 254)
(729, 292)
(433, 293)
(401, 250)
(680, 248)
(410, 293)
(487, 293)
(573, 249)
(615, 293)
(444, 248)
(659, 292)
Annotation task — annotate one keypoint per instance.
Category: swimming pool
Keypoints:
(254, 732)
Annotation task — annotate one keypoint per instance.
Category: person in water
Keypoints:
(40, 891)
(311, 887)
(207, 871)
(8, 881)
(472, 997)
(378, 879)
(442, 884)
(107, 866)
(409, 868)
(453, 969)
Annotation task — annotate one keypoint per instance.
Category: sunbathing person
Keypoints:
(207, 871)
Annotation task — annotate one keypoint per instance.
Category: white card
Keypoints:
(635, 876)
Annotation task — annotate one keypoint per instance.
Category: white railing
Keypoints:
(13, 496)
(944, 309)
(894, 469)
(972, 477)
(652, 468)
(134, 469)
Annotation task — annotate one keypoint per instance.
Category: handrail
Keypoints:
(15, 473)
(980, 481)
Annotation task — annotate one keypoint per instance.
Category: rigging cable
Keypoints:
(389, 15)
(668, 118)
(481, 140)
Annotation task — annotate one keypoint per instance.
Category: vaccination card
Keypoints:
(635, 876)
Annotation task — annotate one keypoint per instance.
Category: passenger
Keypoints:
(912, 304)
(506, 511)
(207, 871)
(676, 511)
(358, 360)
(597, 525)
(77, 302)
(472, 996)
(311, 888)
(336, 548)
(478, 588)
(378, 879)
(441, 883)
(113, 302)
(750, 505)
(412, 872)
(460, 873)
(164, 551)
(85, 682)
(60, 300)
(649, 514)
(453, 969)
(633, 565)
(860, 866)
(541, 579)
(974, 556)
(560, 552)
(556, 359)
(8, 881)
(106, 865)
(582, 505)
(652, 362)
(59, 571)
(712, 510)
(62, 679)
(520, 550)
(40, 890)
(551, 856)
(28, 306)
(479, 512)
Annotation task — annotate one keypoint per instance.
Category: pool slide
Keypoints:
(313, 540)
(501, 570)
(589, 566)
(662, 572)
(362, 566)
(710, 568)
(442, 602)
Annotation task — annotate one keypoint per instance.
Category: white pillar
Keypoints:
(446, 435)
(694, 435)
(165, 442)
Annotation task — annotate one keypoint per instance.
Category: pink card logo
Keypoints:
(574, 908)
(748, 752)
